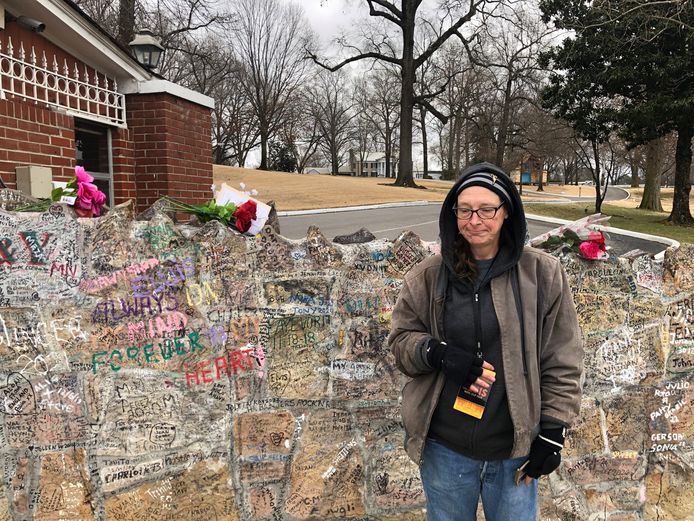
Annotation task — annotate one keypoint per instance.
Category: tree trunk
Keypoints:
(634, 166)
(405, 177)
(596, 177)
(466, 143)
(503, 124)
(540, 185)
(456, 148)
(126, 22)
(683, 162)
(263, 149)
(425, 148)
(334, 160)
(452, 123)
(389, 151)
(654, 171)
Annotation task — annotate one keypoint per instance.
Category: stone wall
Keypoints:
(163, 372)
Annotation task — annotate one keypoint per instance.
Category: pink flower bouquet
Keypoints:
(581, 237)
(80, 192)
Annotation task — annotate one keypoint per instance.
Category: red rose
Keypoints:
(244, 214)
(591, 250)
(597, 237)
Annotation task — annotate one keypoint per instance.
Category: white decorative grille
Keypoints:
(92, 97)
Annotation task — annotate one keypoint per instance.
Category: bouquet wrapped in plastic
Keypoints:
(583, 237)
(234, 208)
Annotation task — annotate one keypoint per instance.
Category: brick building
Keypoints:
(71, 95)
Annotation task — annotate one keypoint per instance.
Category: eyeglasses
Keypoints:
(485, 213)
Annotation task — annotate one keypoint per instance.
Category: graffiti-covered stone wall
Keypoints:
(167, 372)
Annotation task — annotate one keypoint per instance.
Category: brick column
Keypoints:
(172, 148)
(124, 187)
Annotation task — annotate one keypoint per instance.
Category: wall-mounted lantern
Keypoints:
(147, 49)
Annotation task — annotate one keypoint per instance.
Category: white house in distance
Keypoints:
(373, 165)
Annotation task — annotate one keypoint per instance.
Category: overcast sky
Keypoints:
(329, 17)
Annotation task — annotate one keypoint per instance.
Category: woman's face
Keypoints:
(482, 234)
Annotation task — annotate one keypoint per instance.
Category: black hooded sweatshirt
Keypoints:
(469, 322)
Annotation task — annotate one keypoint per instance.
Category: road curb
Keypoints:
(353, 208)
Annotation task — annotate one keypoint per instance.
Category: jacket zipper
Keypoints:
(478, 326)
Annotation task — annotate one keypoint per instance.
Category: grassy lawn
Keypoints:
(292, 191)
(643, 221)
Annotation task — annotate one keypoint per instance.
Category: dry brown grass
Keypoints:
(292, 191)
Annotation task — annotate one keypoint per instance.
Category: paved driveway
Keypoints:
(422, 219)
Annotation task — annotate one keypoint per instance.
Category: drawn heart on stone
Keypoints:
(17, 396)
(276, 438)
(382, 483)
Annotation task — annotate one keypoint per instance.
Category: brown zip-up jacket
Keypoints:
(550, 391)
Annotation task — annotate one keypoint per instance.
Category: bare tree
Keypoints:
(234, 126)
(466, 100)
(332, 108)
(363, 133)
(508, 47)
(602, 160)
(543, 136)
(377, 95)
(175, 22)
(404, 19)
(126, 22)
(300, 128)
(105, 13)
(269, 39)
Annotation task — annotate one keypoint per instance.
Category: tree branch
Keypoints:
(424, 103)
(395, 17)
(440, 90)
(362, 56)
(446, 35)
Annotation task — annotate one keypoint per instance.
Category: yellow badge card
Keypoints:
(471, 403)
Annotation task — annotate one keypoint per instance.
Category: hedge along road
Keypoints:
(388, 221)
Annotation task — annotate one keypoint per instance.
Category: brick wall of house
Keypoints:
(172, 148)
(166, 148)
(32, 135)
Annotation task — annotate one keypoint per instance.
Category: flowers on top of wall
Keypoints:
(80, 192)
(581, 237)
(240, 211)
(89, 200)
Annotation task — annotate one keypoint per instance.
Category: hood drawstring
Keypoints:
(519, 309)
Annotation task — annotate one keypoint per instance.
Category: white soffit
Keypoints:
(158, 86)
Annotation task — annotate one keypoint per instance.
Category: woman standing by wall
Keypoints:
(489, 334)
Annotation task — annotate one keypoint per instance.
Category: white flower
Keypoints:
(254, 192)
(213, 187)
(243, 186)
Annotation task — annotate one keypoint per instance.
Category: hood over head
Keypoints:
(514, 229)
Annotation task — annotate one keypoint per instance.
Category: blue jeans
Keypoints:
(453, 483)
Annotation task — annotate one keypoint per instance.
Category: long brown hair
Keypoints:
(465, 265)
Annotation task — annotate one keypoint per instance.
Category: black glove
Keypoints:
(459, 365)
(545, 452)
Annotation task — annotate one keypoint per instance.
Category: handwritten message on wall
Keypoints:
(157, 371)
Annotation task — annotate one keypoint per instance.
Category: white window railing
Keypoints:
(94, 97)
